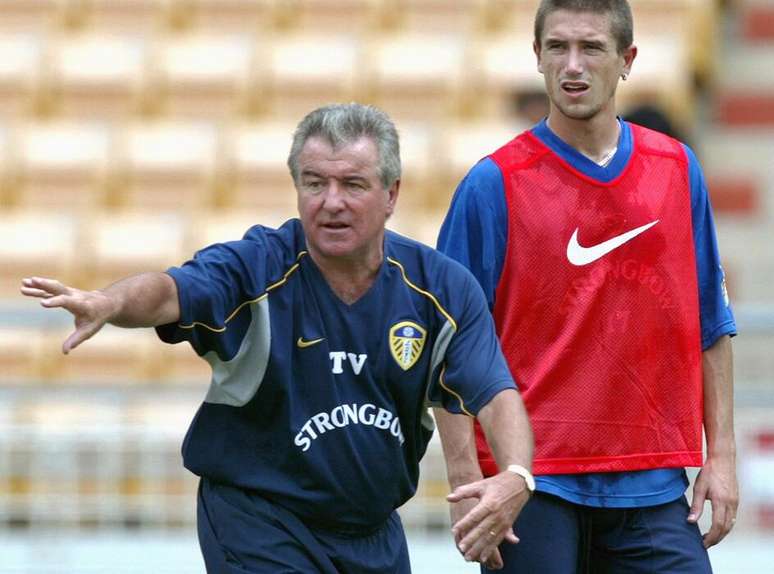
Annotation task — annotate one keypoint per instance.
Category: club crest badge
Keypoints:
(407, 339)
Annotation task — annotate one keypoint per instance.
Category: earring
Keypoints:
(624, 76)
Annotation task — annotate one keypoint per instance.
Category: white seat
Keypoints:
(41, 15)
(98, 74)
(121, 15)
(204, 74)
(417, 76)
(334, 16)
(166, 164)
(36, 242)
(60, 164)
(306, 71)
(459, 16)
(258, 162)
(249, 16)
(21, 65)
(120, 244)
(114, 357)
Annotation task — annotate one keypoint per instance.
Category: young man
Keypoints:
(593, 240)
(328, 338)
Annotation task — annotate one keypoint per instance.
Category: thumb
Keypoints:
(472, 490)
(78, 336)
(697, 505)
(510, 537)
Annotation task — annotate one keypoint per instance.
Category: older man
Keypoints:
(328, 338)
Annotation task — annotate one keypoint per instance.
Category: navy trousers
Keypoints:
(559, 537)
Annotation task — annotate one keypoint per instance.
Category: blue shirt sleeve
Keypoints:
(213, 289)
(717, 318)
(474, 369)
(475, 229)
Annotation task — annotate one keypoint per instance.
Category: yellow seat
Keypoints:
(98, 75)
(203, 75)
(21, 66)
(59, 165)
(36, 242)
(165, 165)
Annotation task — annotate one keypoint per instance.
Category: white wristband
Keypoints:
(524, 473)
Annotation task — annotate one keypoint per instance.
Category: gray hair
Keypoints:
(346, 123)
(621, 22)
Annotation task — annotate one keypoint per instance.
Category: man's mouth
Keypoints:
(334, 225)
(574, 88)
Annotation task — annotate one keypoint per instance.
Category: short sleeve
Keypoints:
(717, 318)
(214, 289)
(474, 369)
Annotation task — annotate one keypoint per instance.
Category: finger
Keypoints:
(718, 530)
(34, 292)
(472, 490)
(483, 546)
(56, 301)
(471, 521)
(483, 539)
(51, 285)
(80, 335)
(697, 505)
(494, 561)
(510, 537)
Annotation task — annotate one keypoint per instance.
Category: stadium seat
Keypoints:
(21, 64)
(115, 357)
(257, 161)
(249, 16)
(120, 244)
(465, 143)
(20, 354)
(59, 164)
(28, 15)
(306, 71)
(355, 17)
(203, 75)
(444, 16)
(97, 75)
(416, 76)
(165, 164)
(419, 159)
(36, 242)
(121, 15)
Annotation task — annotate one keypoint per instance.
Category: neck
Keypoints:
(349, 278)
(595, 137)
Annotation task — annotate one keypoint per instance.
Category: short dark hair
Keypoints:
(346, 123)
(621, 21)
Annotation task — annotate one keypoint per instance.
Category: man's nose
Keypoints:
(574, 61)
(334, 196)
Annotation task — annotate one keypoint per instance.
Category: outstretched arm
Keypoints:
(501, 497)
(144, 300)
(717, 479)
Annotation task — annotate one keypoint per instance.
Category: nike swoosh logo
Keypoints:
(304, 344)
(579, 255)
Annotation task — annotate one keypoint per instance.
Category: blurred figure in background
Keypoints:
(594, 241)
(327, 339)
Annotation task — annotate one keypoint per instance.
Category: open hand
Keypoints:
(90, 309)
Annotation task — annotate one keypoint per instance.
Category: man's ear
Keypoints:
(628, 55)
(392, 198)
(536, 49)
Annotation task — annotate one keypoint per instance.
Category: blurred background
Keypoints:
(133, 132)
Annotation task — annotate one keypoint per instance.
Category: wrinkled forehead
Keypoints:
(322, 156)
(578, 25)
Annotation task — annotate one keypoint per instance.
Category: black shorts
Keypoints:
(241, 532)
